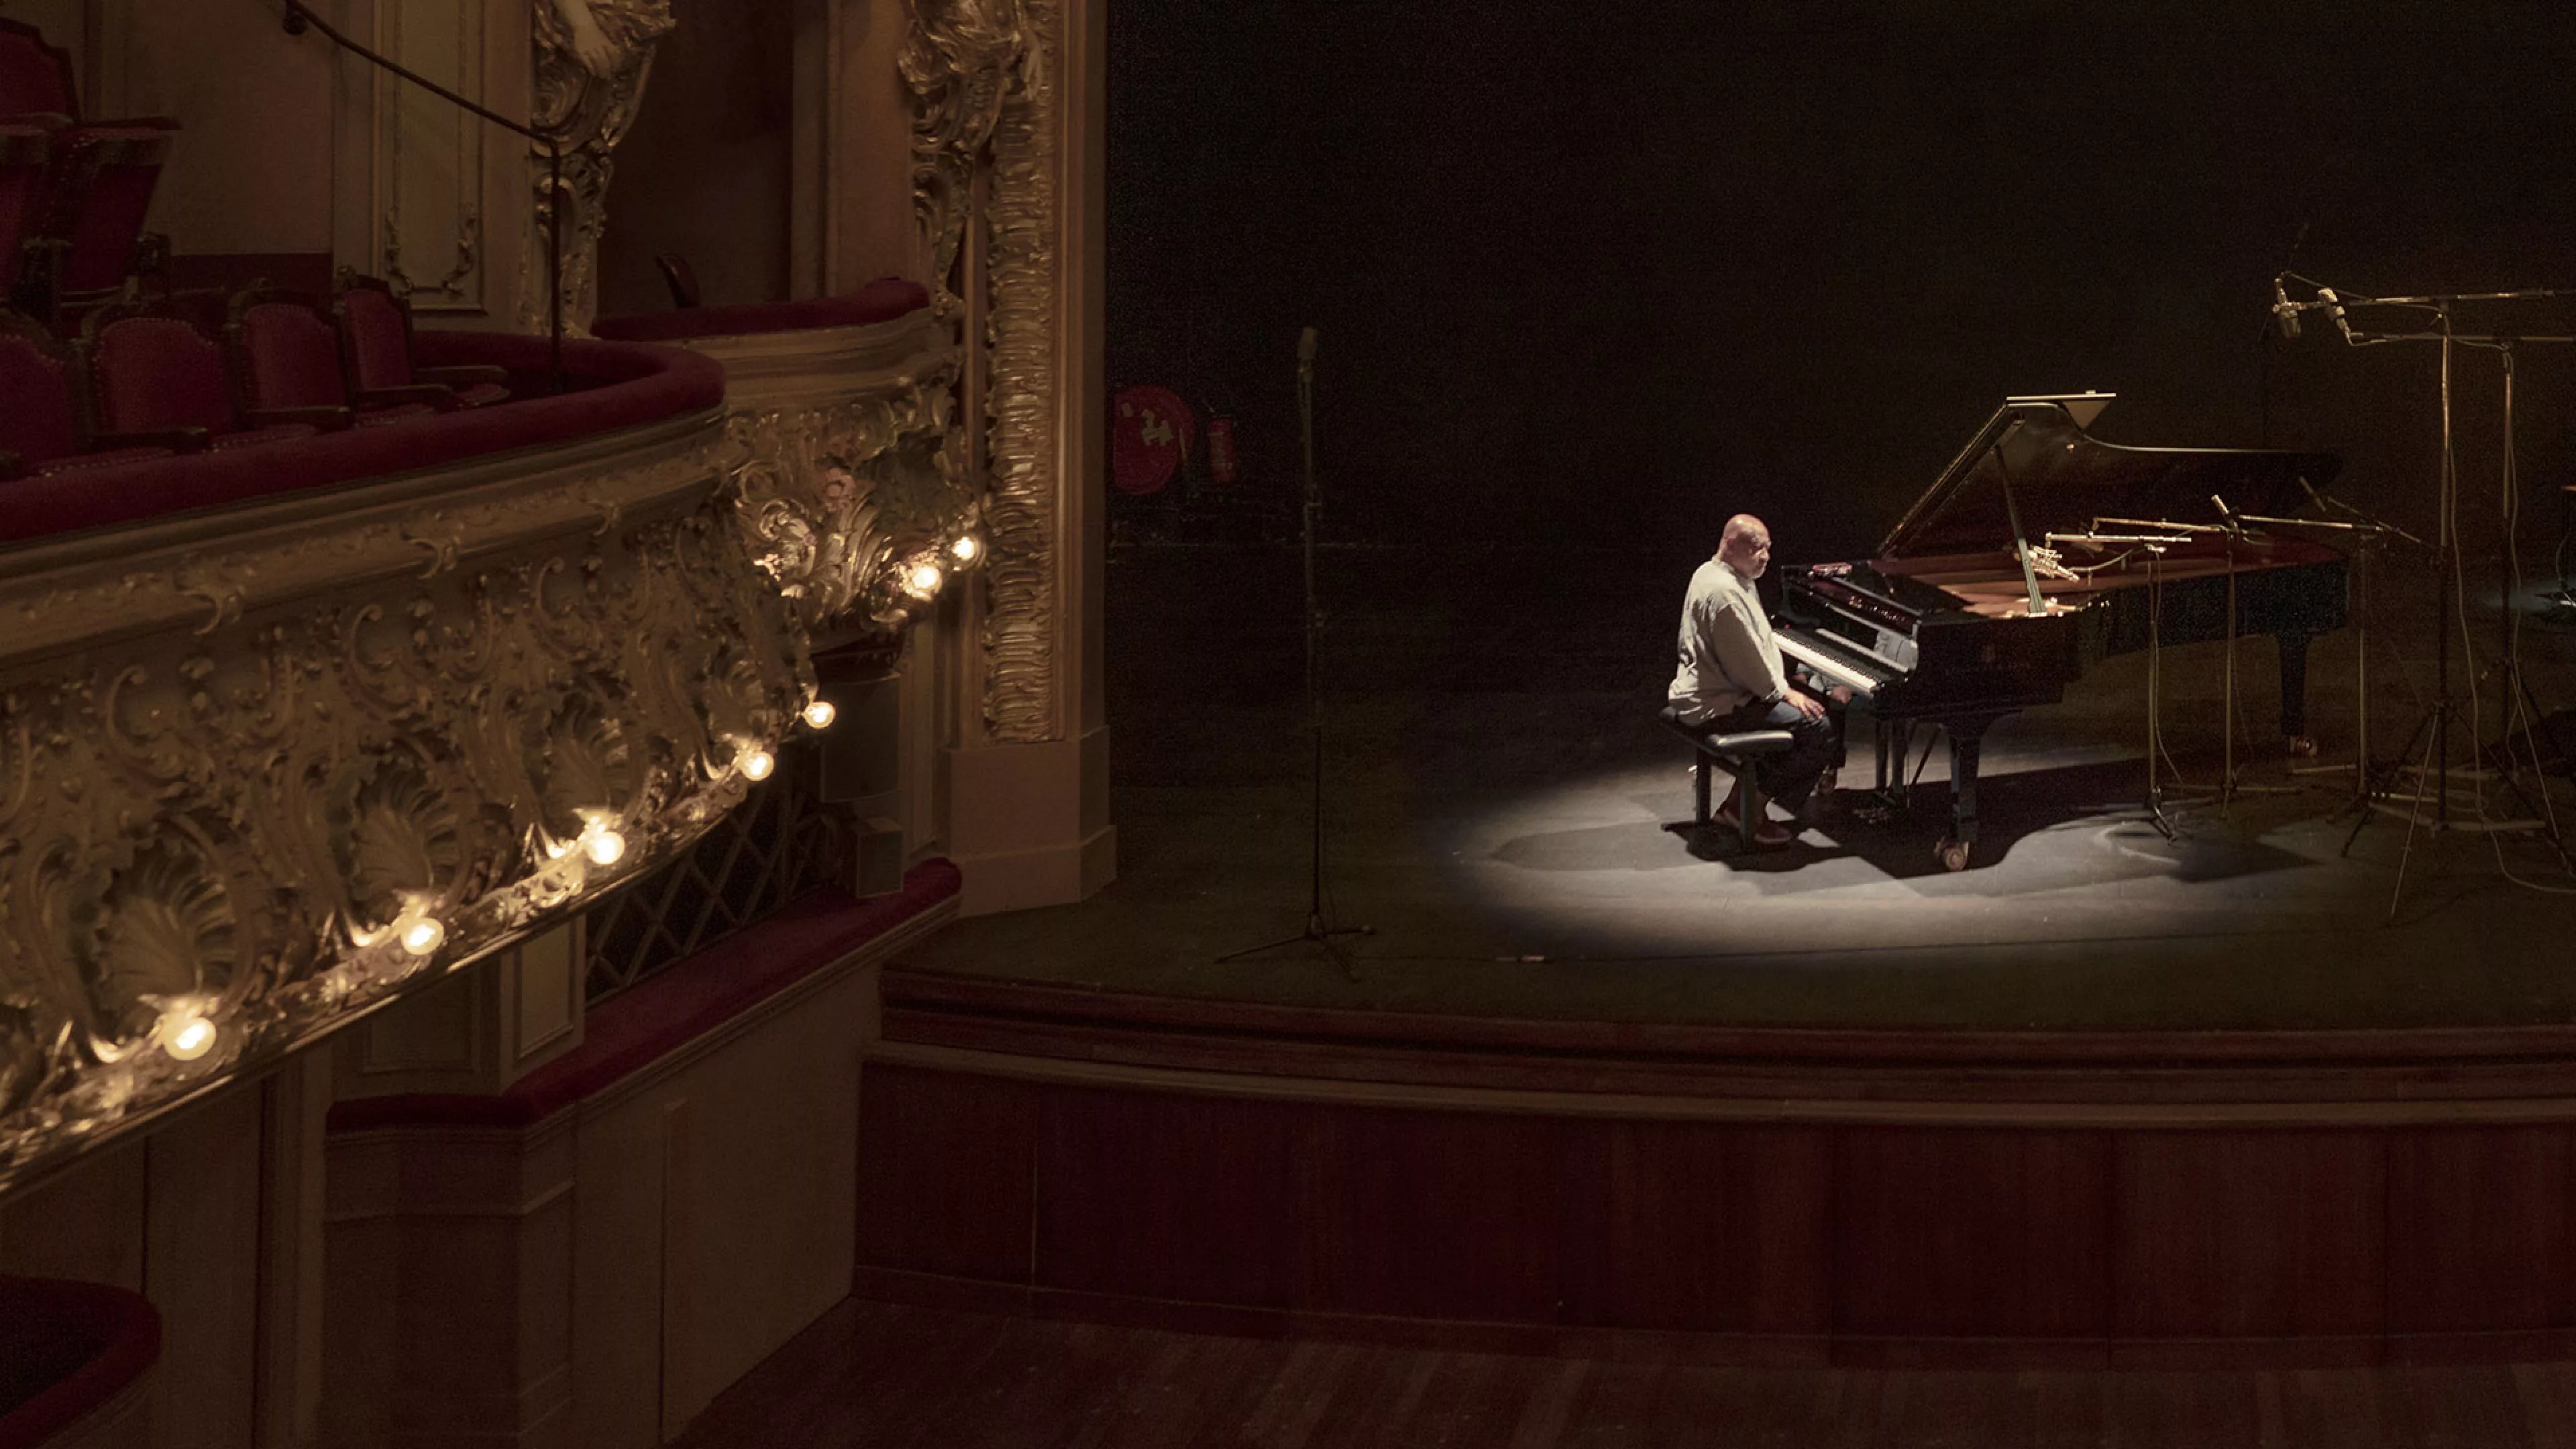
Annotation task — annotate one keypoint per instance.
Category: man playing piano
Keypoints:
(1731, 678)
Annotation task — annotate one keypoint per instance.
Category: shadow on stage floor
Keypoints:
(2012, 810)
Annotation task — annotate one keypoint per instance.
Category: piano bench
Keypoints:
(1735, 754)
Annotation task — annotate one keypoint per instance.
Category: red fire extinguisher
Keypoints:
(1220, 450)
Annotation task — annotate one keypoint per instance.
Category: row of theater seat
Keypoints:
(149, 378)
(73, 192)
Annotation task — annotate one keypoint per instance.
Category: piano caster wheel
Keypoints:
(2303, 747)
(1953, 853)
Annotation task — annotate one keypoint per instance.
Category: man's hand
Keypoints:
(1806, 704)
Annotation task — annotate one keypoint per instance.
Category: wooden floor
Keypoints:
(879, 1374)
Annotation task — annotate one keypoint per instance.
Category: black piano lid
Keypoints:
(2063, 478)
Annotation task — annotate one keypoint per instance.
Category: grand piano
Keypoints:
(1970, 612)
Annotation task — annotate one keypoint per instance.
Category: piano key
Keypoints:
(1848, 674)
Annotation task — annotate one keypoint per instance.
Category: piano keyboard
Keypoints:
(1860, 672)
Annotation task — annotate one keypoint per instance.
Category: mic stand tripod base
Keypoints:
(1322, 935)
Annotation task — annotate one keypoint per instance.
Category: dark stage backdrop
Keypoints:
(1604, 273)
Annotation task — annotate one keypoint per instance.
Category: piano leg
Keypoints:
(1886, 800)
(2294, 693)
(1967, 738)
(1954, 847)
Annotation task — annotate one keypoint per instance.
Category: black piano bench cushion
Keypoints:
(1737, 743)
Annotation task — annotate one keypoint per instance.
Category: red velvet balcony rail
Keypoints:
(66, 1349)
(882, 300)
(638, 1027)
(614, 385)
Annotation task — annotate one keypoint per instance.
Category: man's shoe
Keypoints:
(1766, 833)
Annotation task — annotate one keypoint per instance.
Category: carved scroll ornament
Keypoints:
(985, 81)
(960, 61)
(592, 60)
(852, 478)
(252, 783)
(845, 503)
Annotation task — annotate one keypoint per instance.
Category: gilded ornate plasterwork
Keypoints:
(239, 768)
(961, 61)
(592, 60)
(837, 499)
(985, 78)
(852, 470)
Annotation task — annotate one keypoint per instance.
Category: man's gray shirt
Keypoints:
(1728, 657)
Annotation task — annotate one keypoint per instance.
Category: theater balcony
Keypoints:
(456, 794)
(296, 728)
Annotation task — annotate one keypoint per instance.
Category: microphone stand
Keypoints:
(1319, 923)
(2434, 772)
(2153, 545)
(2369, 534)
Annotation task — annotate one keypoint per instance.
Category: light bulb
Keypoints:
(193, 1037)
(423, 935)
(754, 762)
(965, 548)
(821, 713)
(924, 579)
(603, 845)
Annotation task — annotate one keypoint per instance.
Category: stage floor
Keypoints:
(1498, 796)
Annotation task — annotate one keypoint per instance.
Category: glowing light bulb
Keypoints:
(924, 579)
(821, 713)
(422, 935)
(191, 1038)
(966, 548)
(754, 762)
(603, 845)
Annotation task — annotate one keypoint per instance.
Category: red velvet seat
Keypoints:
(103, 172)
(287, 355)
(104, 179)
(39, 415)
(375, 331)
(34, 77)
(156, 380)
(26, 156)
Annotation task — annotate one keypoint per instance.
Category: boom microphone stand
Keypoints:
(1319, 927)
(2514, 702)
(2433, 727)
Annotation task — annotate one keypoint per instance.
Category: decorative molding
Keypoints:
(243, 758)
(429, 155)
(592, 60)
(851, 474)
(985, 80)
(958, 60)
(469, 247)
(1021, 622)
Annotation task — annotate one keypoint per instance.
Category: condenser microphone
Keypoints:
(1306, 348)
(2284, 309)
(2334, 309)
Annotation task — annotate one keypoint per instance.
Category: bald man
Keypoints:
(1731, 678)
